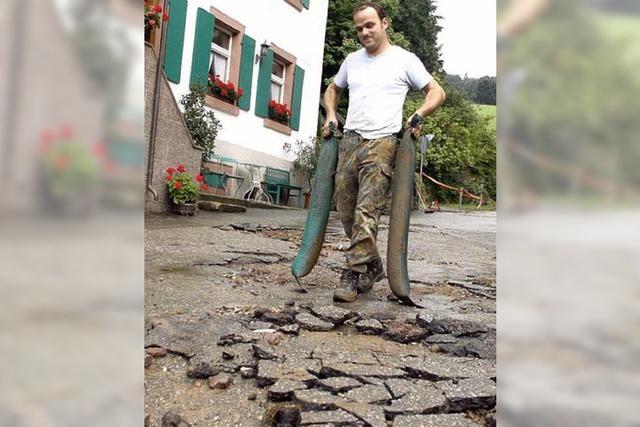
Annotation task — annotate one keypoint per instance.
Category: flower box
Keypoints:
(226, 91)
(153, 17)
(279, 112)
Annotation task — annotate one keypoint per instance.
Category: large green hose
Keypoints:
(319, 209)
(402, 194)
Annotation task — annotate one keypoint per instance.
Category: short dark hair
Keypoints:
(375, 6)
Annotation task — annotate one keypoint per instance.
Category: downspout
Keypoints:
(155, 107)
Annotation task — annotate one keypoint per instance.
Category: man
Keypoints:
(378, 77)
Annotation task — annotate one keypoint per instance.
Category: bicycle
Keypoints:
(255, 192)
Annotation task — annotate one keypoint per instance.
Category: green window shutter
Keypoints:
(246, 71)
(175, 39)
(263, 92)
(305, 3)
(296, 97)
(202, 47)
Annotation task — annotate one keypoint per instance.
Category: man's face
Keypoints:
(370, 29)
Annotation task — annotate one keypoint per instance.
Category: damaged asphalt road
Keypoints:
(229, 341)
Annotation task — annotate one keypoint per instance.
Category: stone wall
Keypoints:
(173, 143)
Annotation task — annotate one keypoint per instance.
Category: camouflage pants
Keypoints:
(363, 178)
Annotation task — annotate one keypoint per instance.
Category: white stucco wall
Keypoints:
(301, 33)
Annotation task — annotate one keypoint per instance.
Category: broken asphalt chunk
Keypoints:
(440, 420)
(360, 372)
(462, 395)
(339, 384)
(457, 327)
(405, 333)
(368, 394)
(423, 398)
(435, 367)
(333, 314)
(369, 327)
(202, 370)
(337, 417)
(260, 353)
(270, 371)
(312, 323)
(283, 390)
(292, 329)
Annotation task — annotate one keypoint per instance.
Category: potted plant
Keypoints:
(305, 162)
(279, 112)
(153, 16)
(69, 173)
(183, 190)
(225, 91)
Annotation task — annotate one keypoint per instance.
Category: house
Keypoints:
(270, 49)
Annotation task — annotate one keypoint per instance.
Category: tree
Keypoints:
(418, 22)
(485, 91)
(201, 121)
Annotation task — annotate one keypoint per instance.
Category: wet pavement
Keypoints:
(245, 348)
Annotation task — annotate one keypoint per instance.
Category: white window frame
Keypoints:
(215, 48)
(279, 80)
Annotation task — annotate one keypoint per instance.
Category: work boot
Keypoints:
(375, 273)
(348, 291)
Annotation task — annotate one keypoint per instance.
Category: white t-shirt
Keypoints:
(377, 88)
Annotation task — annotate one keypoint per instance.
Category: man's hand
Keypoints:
(414, 131)
(326, 132)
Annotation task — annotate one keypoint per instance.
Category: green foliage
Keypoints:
(463, 150)
(488, 111)
(306, 158)
(201, 121)
(69, 168)
(418, 22)
(584, 96)
(480, 91)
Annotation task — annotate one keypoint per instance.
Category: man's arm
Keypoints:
(434, 98)
(519, 15)
(331, 99)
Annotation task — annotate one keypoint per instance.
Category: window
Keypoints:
(221, 48)
(225, 57)
(280, 85)
(277, 81)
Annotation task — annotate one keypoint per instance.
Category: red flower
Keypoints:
(171, 171)
(157, 9)
(62, 162)
(204, 187)
(180, 168)
(66, 131)
(165, 17)
(199, 178)
(169, 177)
(177, 185)
(99, 149)
(46, 136)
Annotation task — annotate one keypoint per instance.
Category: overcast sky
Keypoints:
(468, 36)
